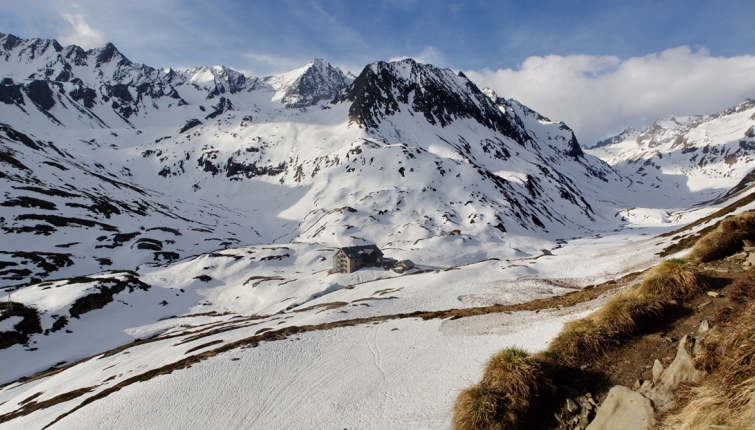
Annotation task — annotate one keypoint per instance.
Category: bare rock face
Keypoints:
(624, 409)
(628, 409)
(657, 371)
(681, 370)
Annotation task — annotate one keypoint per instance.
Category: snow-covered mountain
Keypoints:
(706, 154)
(403, 156)
(161, 218)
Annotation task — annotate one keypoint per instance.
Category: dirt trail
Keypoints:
(630, 363)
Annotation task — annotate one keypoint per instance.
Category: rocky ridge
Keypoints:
(702, 153)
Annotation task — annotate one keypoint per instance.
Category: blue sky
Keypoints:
(252, 35)
(487, 38)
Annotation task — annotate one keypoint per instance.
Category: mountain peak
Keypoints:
(318, 80)
(10, 41)
(629, 132)
(385, 88)
(216, 79)
(491, 94)
(107, 54)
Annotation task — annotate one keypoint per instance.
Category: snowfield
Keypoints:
(167, 236)
(398, 374)
(355, 358)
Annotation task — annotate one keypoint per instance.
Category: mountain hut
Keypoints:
(349, 259)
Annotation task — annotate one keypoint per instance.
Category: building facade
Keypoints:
(349, 259)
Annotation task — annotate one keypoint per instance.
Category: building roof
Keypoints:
(356, 251)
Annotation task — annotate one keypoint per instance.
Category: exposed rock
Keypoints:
(657, 371)
(624, 409)
(737, 256)
(189, 125)
(571, 405)
(681, 370)
(683, 367)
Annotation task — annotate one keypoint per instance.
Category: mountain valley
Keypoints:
(164, 229)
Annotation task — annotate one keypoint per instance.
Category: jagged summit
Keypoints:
(317, 81)
(440, 95)
(46, 59)
(104, 76)
(628, 133)
(491, 94)
(215, 80)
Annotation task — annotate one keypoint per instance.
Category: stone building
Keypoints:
(352, 258)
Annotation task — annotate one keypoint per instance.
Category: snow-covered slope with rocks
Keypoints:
(708, 155)
(172, 216)
(403, 156)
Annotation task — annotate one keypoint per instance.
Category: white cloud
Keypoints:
(270, 64)
(81, 33)
(601, 95)
(429, 55)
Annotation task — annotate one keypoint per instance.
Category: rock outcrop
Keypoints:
(625, 408)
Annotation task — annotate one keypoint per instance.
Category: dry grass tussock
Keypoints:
(512, 383)
(727, 398)
(588, 338)
(726, 239)
(624, 314)
(673, 279)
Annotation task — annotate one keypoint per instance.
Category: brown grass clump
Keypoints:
(591, 337)
(673, 279)
(508, 392)
(726, 239)
(512, 384)
(475, 408)
(580, 339)
(624, 314)
(742, 291)
(727, 399)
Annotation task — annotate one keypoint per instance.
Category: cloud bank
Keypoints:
(599, 96)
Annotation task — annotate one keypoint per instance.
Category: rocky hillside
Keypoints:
(706, 154)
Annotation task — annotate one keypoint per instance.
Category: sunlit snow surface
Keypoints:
(232, 225)
(401, 372)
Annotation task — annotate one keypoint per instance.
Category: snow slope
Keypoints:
(164, 229)
(332, 360)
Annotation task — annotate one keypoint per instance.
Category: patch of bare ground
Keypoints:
(630, 362)
(204, 345)
(323, 306)
(31, 406)
(633, 360)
